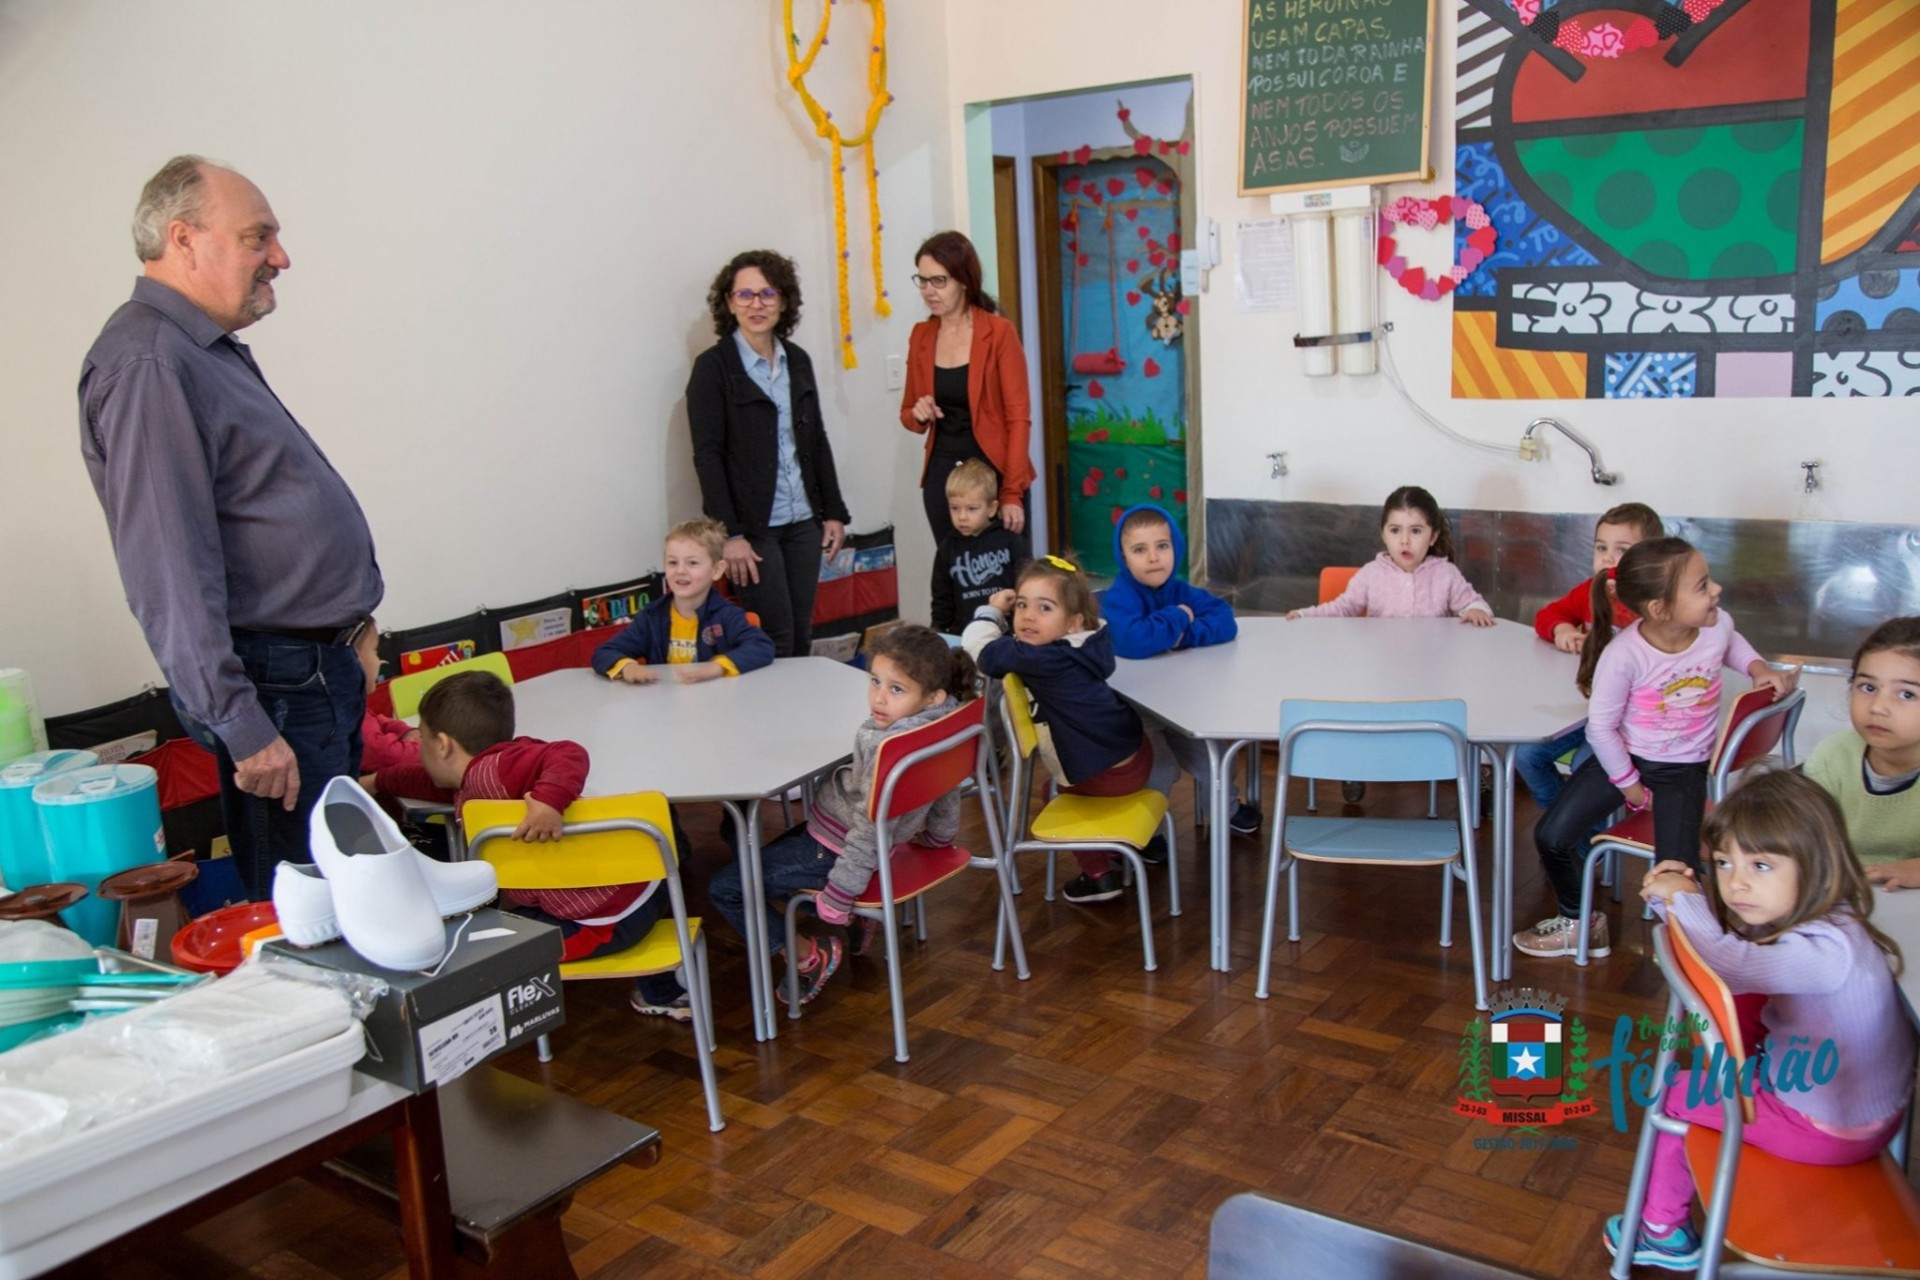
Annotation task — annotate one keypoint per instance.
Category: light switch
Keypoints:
(896, 372)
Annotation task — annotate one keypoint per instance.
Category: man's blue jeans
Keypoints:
(316, 695)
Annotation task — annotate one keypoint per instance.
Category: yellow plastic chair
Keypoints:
(1120, 825)
(610, 840)
(406, 691)
(1775, 1215)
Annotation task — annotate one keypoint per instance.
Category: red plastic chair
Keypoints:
(1776, 1214)
(1757, 726)
(913, 769)
(1334, 580)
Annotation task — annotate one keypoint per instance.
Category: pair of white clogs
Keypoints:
(368, 884)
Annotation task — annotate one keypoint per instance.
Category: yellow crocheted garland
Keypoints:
(797, 69)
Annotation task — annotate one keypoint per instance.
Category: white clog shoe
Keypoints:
(303, 900)
(381, 900)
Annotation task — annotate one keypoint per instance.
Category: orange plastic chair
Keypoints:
(1776, 1214)
(1757, 726)
(910, 770)
(1334, 580)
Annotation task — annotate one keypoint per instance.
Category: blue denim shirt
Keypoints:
(789, 492)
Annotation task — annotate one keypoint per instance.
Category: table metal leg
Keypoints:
(1220, 754)
(1499, 943)
(753, 895)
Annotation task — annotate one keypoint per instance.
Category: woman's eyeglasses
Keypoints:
(932, 282)
(747, 297)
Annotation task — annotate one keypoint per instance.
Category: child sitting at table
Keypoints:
(1092, 742)
(1414, 577)
(1871, 769)
(1565, 623)
(700, 633)
(913, 678)
(384, 740)
(1784, 917)
(981, 556)
(1653, 717)
(468, 752)
(1149, 611)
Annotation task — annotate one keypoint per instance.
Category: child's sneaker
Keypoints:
(1557, 937)
(1154, 851)
(1085, 888)
(1675, 1249)
(821, 963)
(1245, 820)
(678, 1009)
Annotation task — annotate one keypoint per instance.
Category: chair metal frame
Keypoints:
(690, 937)
(1019, 799)
(891, 775)
(1461, 866)
(1727, 760)
(1737, 1109)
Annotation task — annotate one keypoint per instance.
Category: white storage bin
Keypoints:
(54, 1187)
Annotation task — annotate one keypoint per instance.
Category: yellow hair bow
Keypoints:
(1065, 566)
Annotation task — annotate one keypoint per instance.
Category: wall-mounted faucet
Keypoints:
(1812, 469)
(1279, 461)
(1530, 447)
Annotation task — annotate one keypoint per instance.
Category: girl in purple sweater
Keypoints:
(1652, 718)
(1784, 917)
(1415, 577)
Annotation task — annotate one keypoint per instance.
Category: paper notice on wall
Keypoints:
(1263, 265)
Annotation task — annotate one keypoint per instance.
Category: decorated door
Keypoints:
(1124, 322)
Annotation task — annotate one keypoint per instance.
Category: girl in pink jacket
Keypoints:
(1415, 576)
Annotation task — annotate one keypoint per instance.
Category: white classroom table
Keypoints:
(1518, 690)
(1897, 914)
(736, 741)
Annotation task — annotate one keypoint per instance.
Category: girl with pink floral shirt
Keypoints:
(1415, 576)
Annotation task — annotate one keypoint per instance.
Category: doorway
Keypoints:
(1101, 197)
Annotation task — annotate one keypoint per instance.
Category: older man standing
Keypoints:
(244, 554)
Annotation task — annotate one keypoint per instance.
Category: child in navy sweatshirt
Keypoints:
(693, 629)
(1092, 742)
(981, 556)
(1150, 611)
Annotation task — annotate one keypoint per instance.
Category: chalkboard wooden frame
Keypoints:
(1360, 173)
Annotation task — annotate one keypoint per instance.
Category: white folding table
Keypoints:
(735, 741)
(1518, 690)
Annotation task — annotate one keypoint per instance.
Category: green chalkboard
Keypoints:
(1334, 92)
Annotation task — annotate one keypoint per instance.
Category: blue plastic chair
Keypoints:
(1376, 742)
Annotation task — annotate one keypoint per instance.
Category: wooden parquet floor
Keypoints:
(1083, 1124)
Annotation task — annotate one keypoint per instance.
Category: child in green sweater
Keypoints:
(1872, 769)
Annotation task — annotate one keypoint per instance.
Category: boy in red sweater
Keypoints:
(1564, 625)
(468, 752)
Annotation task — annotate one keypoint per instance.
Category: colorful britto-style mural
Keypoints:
(1125, 323)
(1689, 198)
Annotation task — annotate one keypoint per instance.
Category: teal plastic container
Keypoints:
(99, 822)
(23, 847)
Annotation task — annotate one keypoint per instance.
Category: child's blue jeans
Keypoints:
(1535, 765)
(794, 863)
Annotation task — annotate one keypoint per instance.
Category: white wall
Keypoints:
(1353, 440)
(502, 220)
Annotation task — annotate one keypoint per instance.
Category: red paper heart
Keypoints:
(1094, 389)
(1113, 517)
(1153, 246)
(1151, 368)
(1124, 114)
(1082, 260)
(1173, 242)
(1084, 154)
(1065, 158)
(1133, 265)
(1180, 496)
(1089, 486)
(1093, 194)
(1144, 233)
(1443, 207)
(1183, 306)
(1383, 250)
(1156, 491)
(1482, 239)
(1144, 177)
(1133, 299)
(1156, 257)
(1096, 474)
(1183, 147)
(1066, 223)
(1132, 214)
(1165, 146)
(1166, 186)
(1413, 280)
(1141, 146)
(1072, 185)
(1115, 186)
(1119, 473)
(1073, 244)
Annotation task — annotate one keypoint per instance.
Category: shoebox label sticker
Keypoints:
(453, 1045)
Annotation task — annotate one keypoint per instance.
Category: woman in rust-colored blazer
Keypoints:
(966, 384)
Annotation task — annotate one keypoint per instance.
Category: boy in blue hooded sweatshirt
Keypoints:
(1150, 611)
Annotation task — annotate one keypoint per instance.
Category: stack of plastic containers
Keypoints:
(22, 730)
(23, 847)
(98, 821)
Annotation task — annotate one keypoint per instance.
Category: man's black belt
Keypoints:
(313, 635)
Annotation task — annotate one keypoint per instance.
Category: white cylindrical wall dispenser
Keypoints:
(1313, 288)
(1353, 287)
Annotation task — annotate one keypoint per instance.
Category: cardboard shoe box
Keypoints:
(499, 988)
